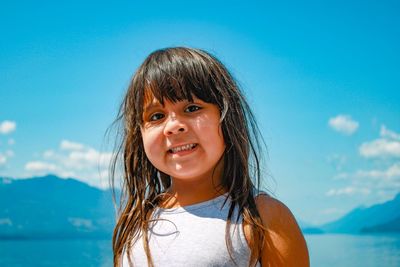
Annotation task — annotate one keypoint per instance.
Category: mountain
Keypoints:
(51, 207)
(391, 226)
(380, 217)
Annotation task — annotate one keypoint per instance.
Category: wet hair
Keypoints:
(176, 74)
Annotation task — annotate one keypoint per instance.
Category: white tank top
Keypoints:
(192, 236)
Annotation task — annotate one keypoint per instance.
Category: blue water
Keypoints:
(325, 250)
(55, 253)
(354, 250)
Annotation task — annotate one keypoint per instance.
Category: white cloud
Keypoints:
(11, 141)
(349, 190)
(48, 154)
(5, 221)
(88, 158)
(10, 153)
(68, 173)
(380, 148)
(3, 159)
(7, 127)
(5, 156)
(40, 166)
(80, 222)
(68, 145)
(343, 124)
(383, 182)
(392, 171)
(386, 146)
(77, 161)
(386, 133)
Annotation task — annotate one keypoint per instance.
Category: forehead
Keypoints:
(150, 100)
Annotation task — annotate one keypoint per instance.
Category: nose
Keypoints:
(174, 125)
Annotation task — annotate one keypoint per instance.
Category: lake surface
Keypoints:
(354, 250)
(325, 250)
(61, 253)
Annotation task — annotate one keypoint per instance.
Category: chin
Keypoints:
(189, 175)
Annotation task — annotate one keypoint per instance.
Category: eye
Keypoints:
(156, 116)
(192, 108)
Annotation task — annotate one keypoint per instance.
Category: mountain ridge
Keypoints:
(362, 218)
(53, 207)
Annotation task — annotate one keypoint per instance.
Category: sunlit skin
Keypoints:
(284, 243)
(184, 140)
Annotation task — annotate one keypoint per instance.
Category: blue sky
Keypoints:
(322, 77)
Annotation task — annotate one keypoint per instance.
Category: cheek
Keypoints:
(214, 139)
(211, 131)
(150, 144)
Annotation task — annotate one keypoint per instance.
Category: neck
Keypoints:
(183, 195)
(184, 192)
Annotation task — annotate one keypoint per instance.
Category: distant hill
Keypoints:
(377, 218)
(392, 226)
(51, 207)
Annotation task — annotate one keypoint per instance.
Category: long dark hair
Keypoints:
(176, 74)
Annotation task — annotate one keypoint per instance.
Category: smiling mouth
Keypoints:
(178, 149)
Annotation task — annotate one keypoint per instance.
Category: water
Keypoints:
(61, 253)
(354, 250)
(325, 250)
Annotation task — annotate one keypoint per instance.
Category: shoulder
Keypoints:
(284, 243)
(273, 212)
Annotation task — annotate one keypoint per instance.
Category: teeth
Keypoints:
(182, 148)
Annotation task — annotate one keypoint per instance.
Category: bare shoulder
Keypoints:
(273, 212)
(284, 243)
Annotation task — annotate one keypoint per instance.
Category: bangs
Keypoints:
(176, 77)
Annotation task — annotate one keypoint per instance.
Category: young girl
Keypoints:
(190, 192)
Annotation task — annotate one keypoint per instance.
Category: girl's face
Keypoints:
(183, 139)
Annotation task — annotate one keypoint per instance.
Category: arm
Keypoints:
(284, 243)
